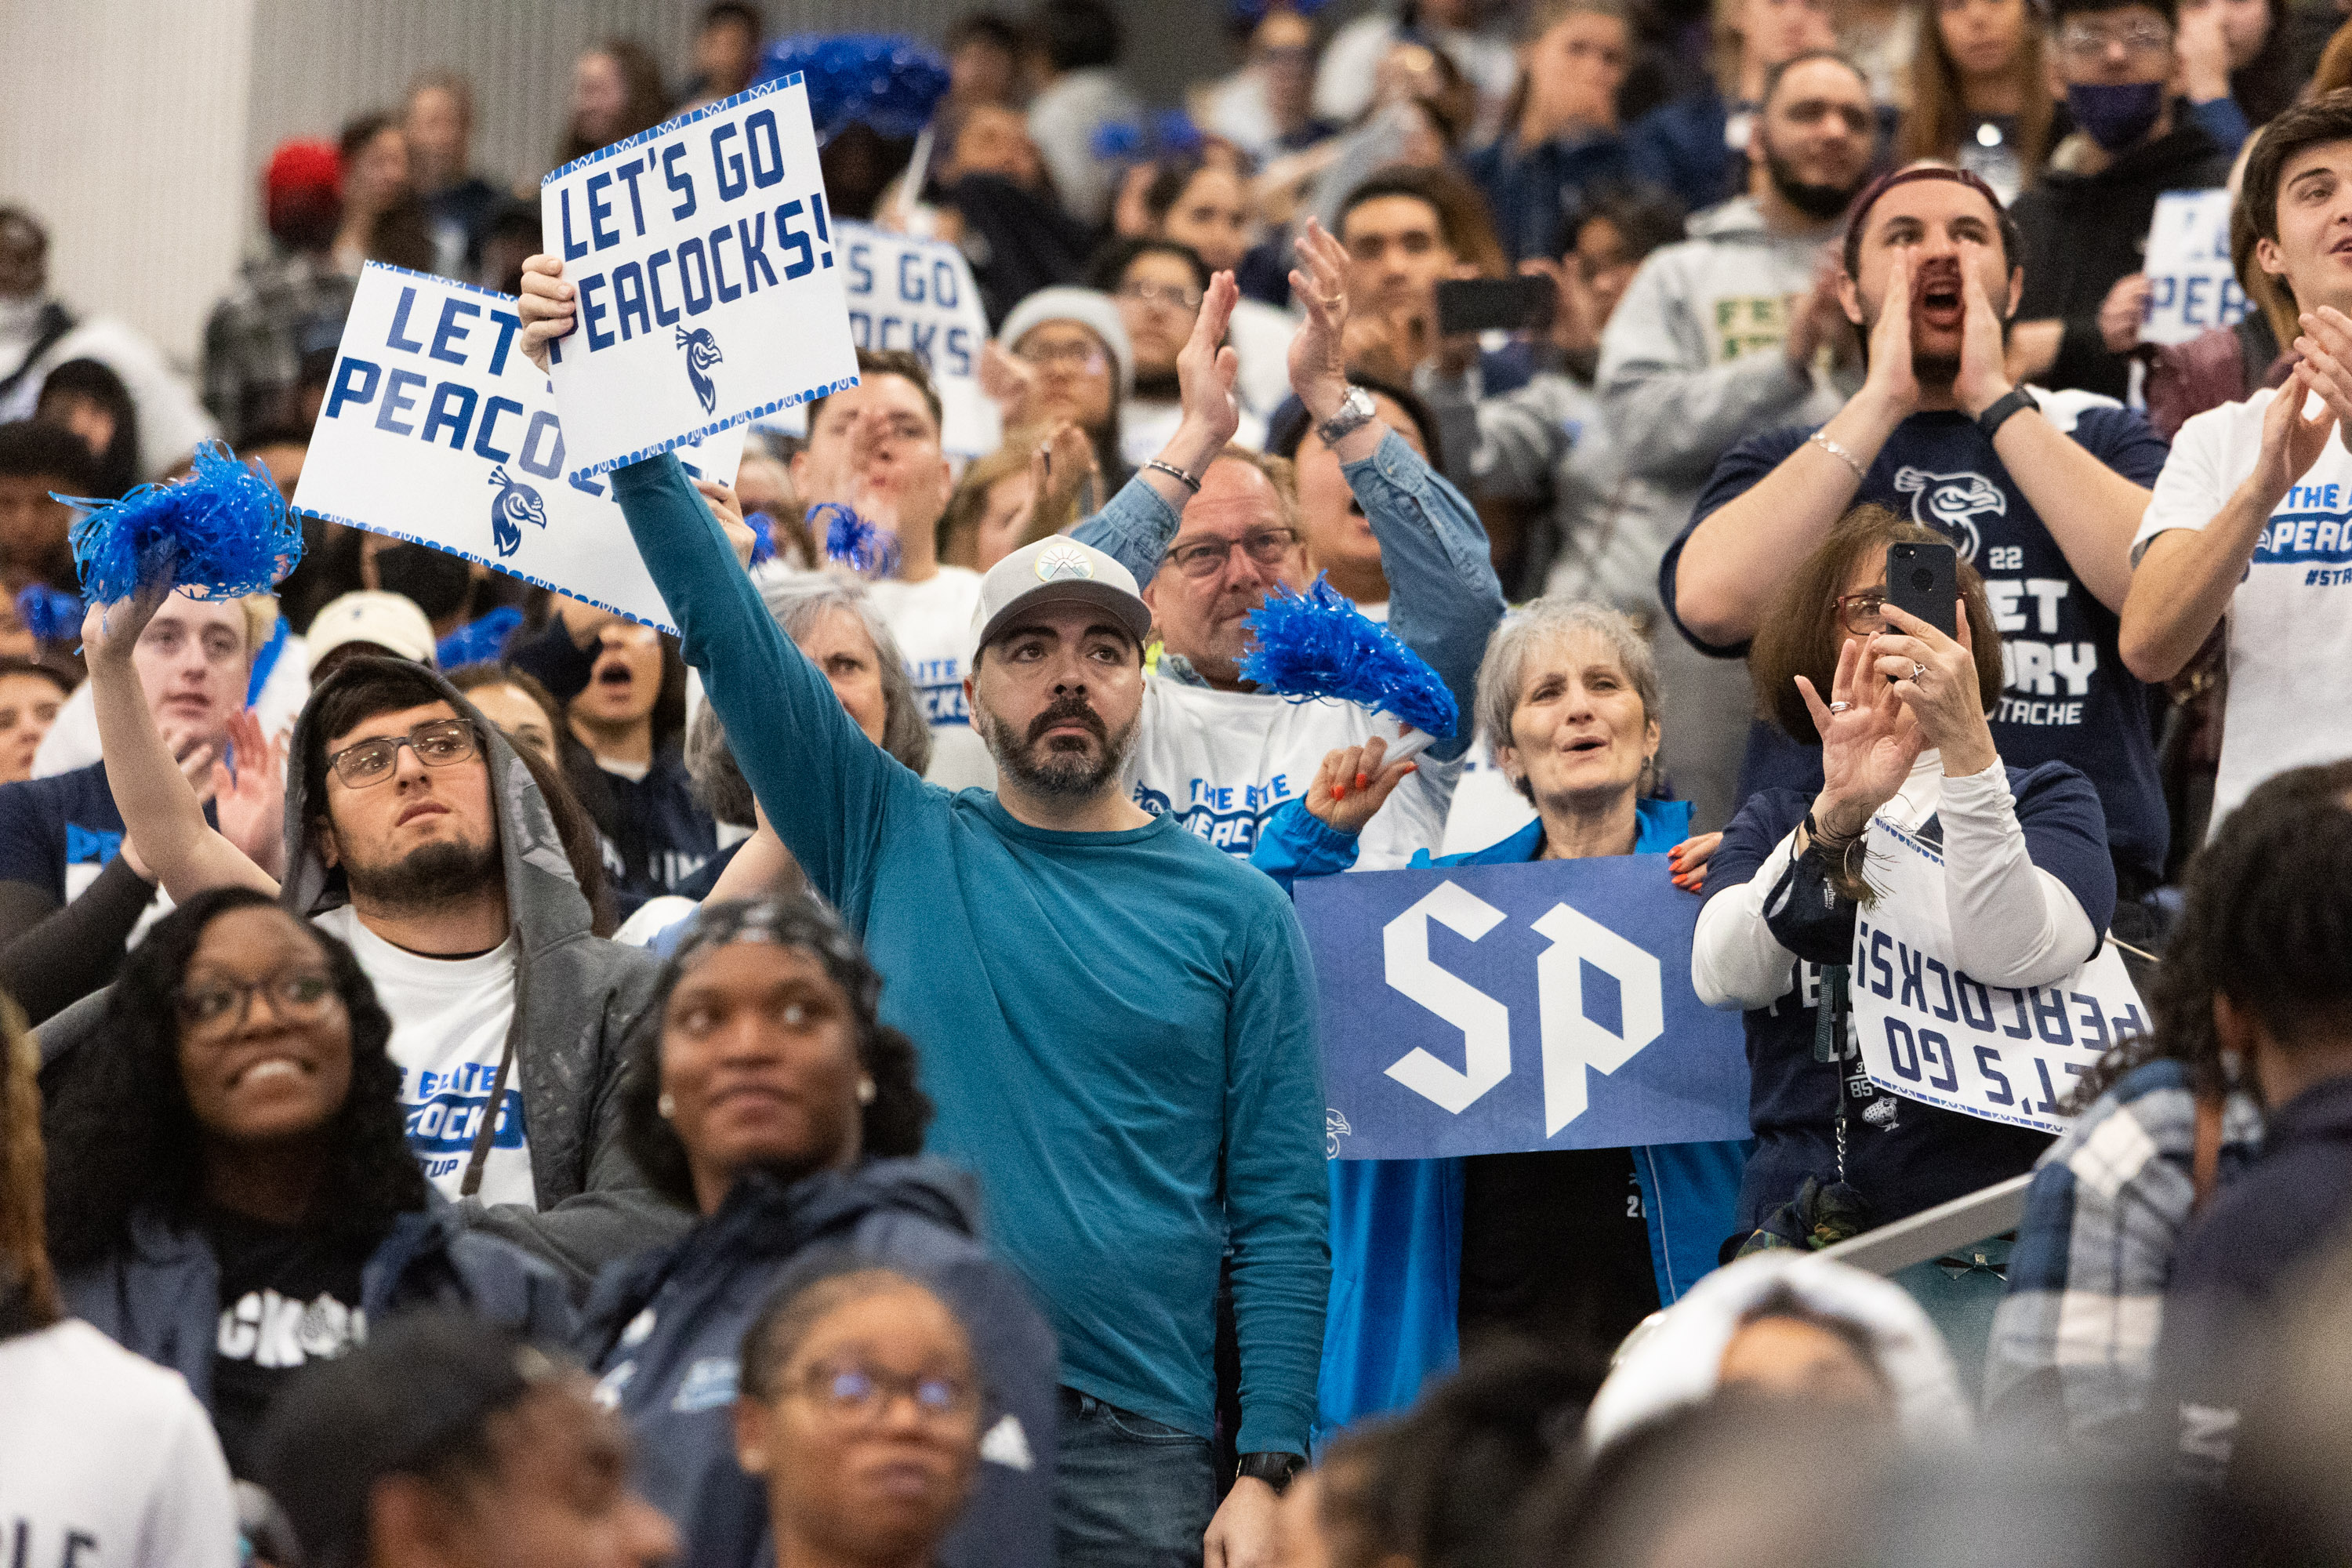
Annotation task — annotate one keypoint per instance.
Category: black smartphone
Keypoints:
(1494, 304)
(1924, 580)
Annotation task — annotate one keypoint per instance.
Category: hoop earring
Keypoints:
(666, 1106)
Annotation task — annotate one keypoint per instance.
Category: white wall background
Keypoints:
(136, 129)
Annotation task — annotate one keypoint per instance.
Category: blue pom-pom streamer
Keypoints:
(222, 532)
(1116, 142)
(1176, 135)
(884, 80)
(763, 537)
(1318, 644)
(477, 641)
(853, 542)
(50, 613)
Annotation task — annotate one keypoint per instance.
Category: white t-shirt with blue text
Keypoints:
(932, 621)
(2291, 619)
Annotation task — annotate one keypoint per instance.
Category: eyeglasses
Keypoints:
(849, 1391)
(1266, 546)
(2086, 41)
(1862, 614)
(438, 743)
(1085, 358)
(1174, 296)
(221, 1007)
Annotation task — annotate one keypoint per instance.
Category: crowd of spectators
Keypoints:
(482, 1078)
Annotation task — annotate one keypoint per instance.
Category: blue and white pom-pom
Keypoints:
(220, 534)
(855, 542)
(883, 80)
(763, 537)
(1318, 644)
(52, 615)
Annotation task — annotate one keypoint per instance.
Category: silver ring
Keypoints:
(1840, 706)
(1917, 670)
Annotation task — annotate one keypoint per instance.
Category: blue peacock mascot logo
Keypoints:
(701, 353)
(517, 504)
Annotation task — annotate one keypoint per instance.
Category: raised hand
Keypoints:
(1983, 378)
(109, 632)
(547, 307)
(2290, 443)
(1206, 370)
(1352, 785)
(1869, 739)
(1005, 380)
(1943, 694)
(1057, 469)
(729, 510)
(1319, 359)
(2122, 312)
(1892, 381)
(2326, 346)
(250, 801)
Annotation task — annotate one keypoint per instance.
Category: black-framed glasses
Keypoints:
(219, 1006)
(1204, 558)
(438, 742)
(1863, 614)
(850, 1391)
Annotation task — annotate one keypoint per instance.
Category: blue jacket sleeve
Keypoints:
(829, 791)
(1277, 1196)
(1445, 600)
(1135, 529)
(1294, 842)
(2224, 122)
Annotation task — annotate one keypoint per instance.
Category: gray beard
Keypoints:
(431, 877)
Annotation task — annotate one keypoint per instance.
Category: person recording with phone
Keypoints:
(2040, 492)
(1899, 709)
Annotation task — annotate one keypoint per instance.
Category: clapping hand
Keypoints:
(1869, 739)
(250, 800)
(1319, 358)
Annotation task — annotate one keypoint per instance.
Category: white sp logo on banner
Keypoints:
(1929, 1031)
(1571, 1041)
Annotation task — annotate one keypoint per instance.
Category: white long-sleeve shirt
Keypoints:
(2013, 924)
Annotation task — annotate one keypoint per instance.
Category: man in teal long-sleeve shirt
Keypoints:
(1116, 1020)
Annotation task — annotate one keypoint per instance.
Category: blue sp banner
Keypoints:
(1489, 1009)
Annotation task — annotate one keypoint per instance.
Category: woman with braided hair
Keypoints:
(765, 1094)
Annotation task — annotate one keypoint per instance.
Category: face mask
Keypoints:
(2115, 115)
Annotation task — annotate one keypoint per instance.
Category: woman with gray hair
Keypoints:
(1575, 1247)
(833, 621)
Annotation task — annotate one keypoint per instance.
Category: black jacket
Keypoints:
(2082, 232)
(664, 1331)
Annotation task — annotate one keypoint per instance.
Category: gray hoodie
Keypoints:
(1691, 362)
(574, 996)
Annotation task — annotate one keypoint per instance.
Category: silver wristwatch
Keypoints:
(1356, 411)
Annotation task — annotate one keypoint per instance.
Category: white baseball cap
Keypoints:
(389, 621)
(1057, 571)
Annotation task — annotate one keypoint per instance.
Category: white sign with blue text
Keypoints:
(1488, 1009)
(1928, 1030)
(435, 428)
(2193, 286)
(707, 290)
(919, 295)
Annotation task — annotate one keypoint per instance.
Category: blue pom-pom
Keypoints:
(887, 82)
(1116, 142)
(50, 614)
(853, 542)
(1318, 644)
(220, 534)
(1177, 136)
(477, 641)
(763, 537)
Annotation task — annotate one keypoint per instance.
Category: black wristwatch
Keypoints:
(1993, 417)
(1276, 1470)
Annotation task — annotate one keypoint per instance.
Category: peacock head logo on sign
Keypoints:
(1951, 503)
(701, 353)
(516, 504)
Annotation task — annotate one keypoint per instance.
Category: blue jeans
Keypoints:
(1132, 1493)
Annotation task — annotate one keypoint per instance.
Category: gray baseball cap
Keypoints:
(1057, 571)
